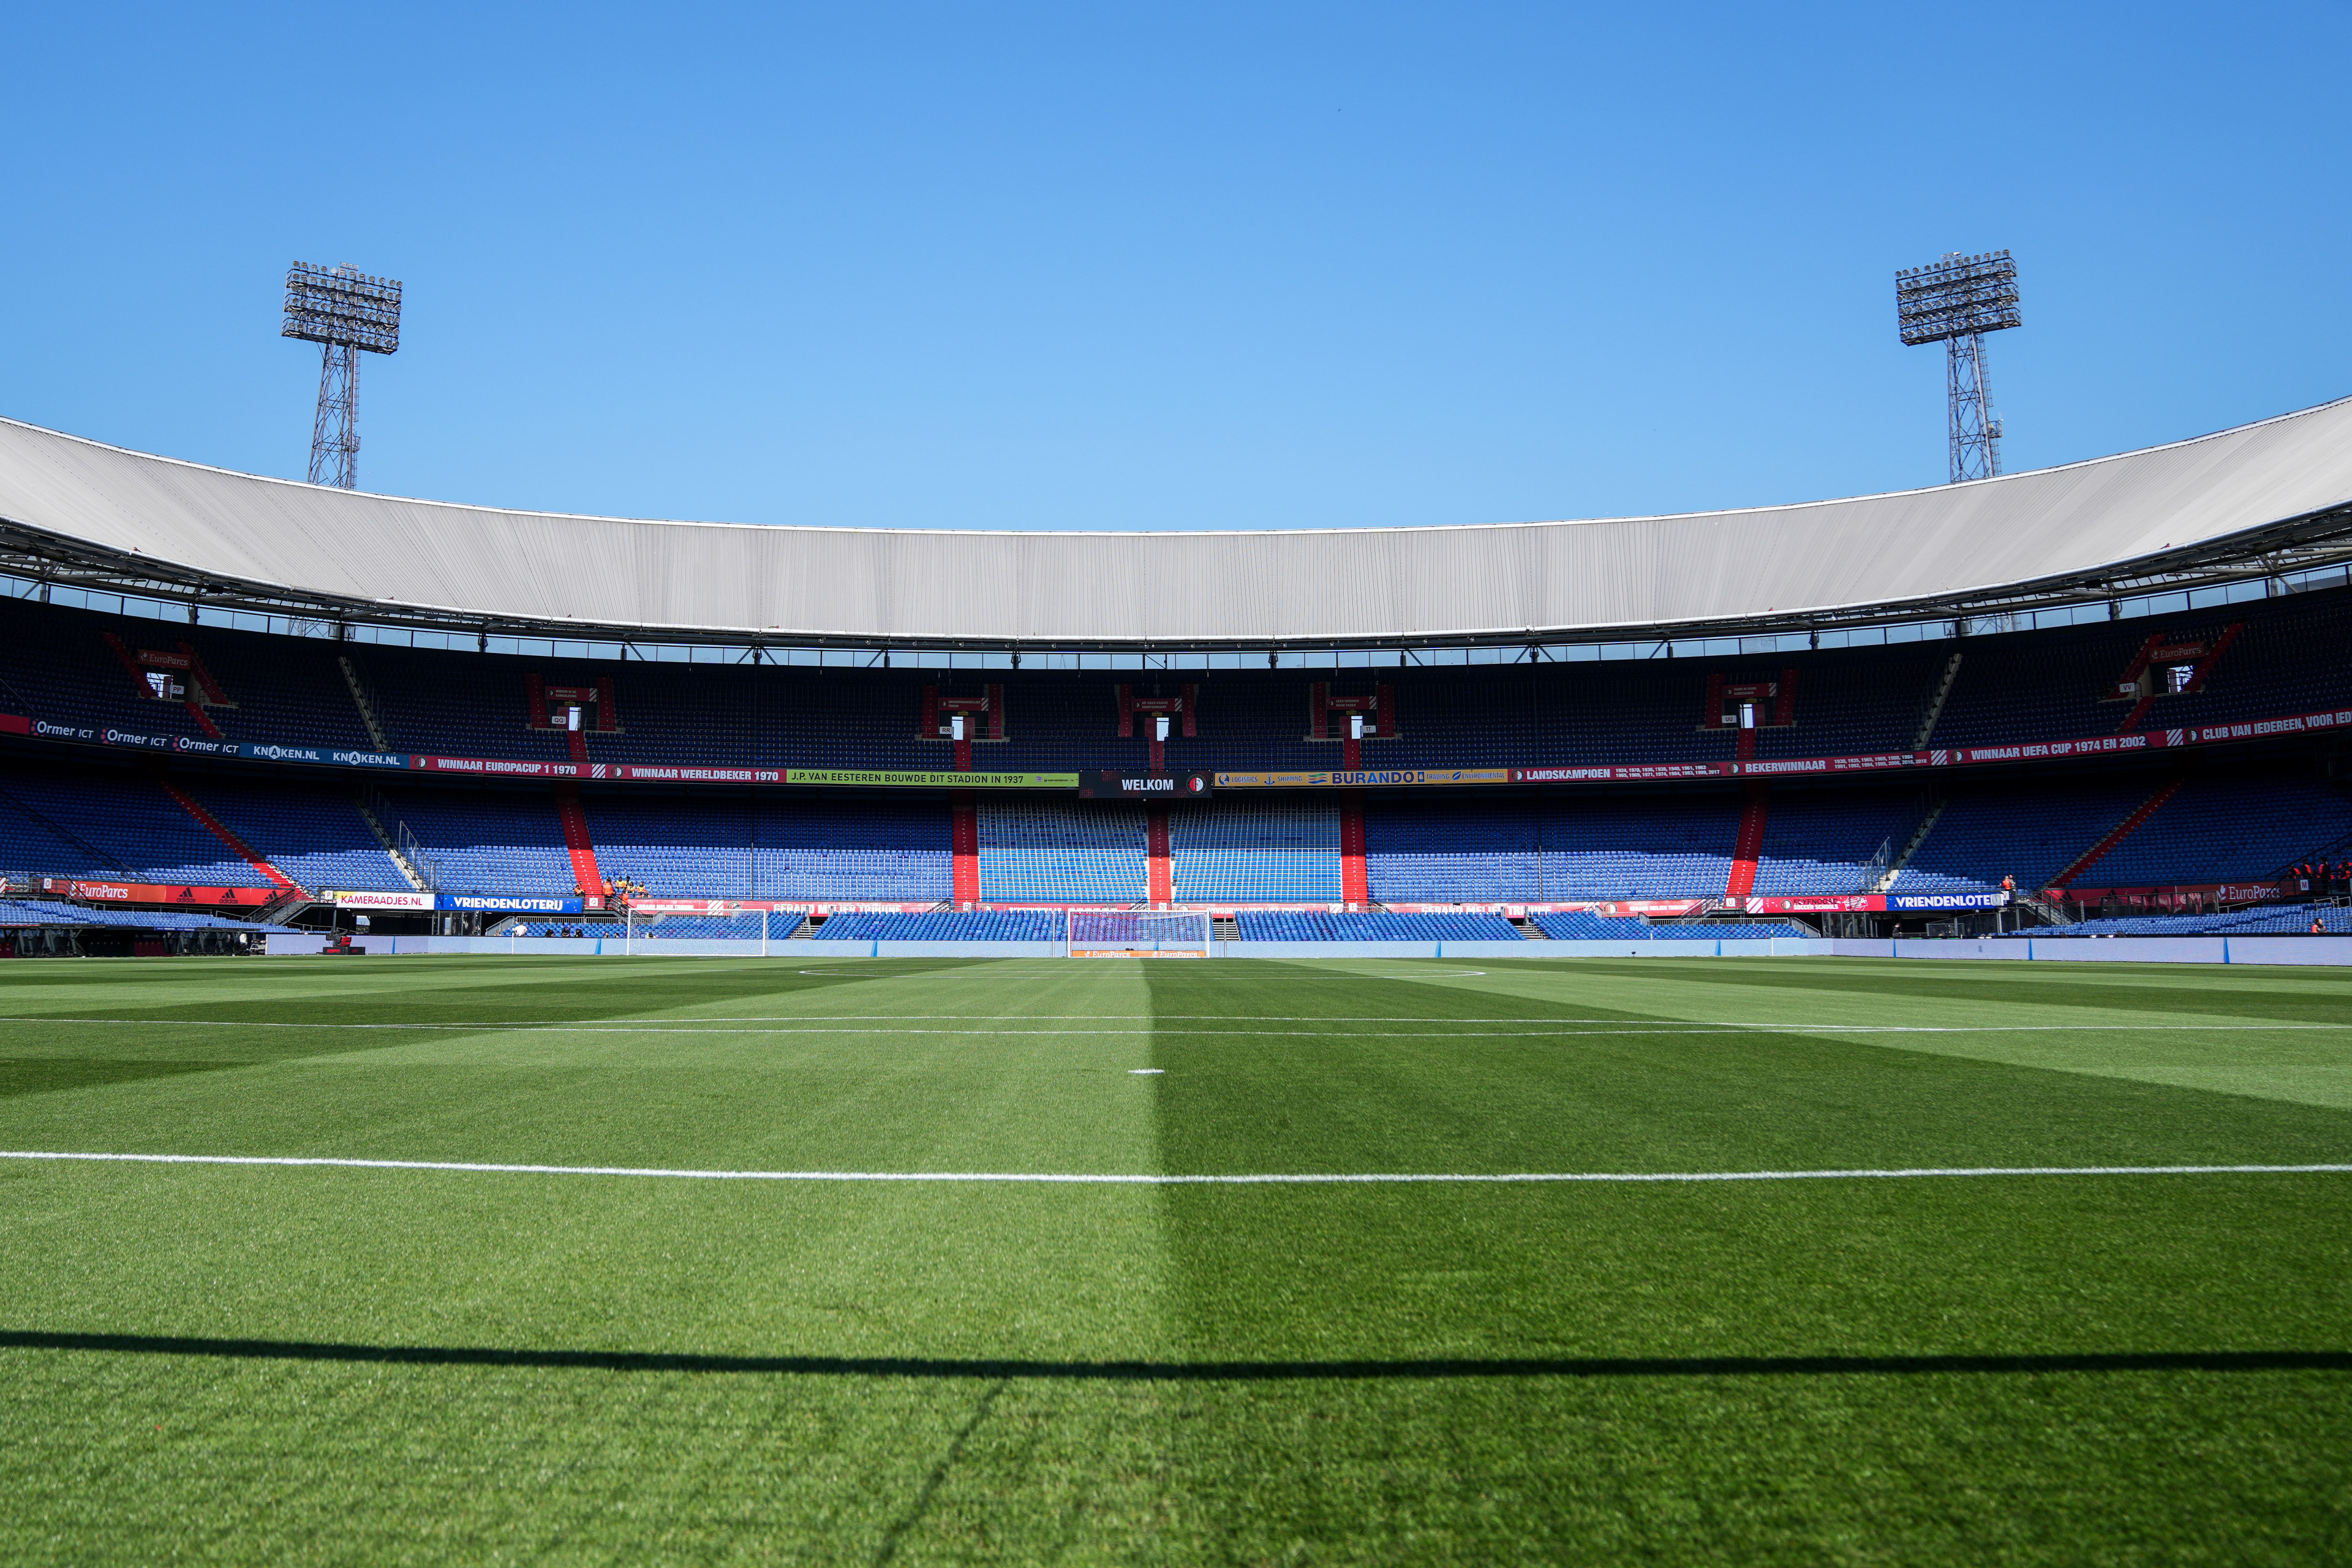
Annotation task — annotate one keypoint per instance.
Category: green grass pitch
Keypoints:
(362, 1365)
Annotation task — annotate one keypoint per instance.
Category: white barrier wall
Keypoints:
(2299, 949)
(2279, 950)
(1712, 948)
(726, 947)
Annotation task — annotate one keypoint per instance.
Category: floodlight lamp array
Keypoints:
(343, 305)
(1957, 297)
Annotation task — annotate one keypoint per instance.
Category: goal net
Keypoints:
(1133, 933)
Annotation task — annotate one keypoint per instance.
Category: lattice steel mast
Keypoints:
(1957, 301)
(344, 310)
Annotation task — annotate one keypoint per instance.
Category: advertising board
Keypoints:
(181, 893)
(1102, 784)
(363, 900)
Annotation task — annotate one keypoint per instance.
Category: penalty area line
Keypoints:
(1175, 1180)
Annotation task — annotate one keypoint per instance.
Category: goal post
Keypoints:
(1138, 933)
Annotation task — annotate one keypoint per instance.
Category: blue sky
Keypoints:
(1130, 266)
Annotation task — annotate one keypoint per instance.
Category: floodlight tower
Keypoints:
(1958, 300)
(344, 310)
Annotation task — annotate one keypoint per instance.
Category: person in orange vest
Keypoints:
(2317, 928)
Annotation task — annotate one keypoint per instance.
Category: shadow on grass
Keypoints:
(1186, 1370)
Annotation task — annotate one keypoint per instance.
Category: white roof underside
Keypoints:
(922, 587)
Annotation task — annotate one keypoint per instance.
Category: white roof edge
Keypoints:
(1430, 583)
(192, 465)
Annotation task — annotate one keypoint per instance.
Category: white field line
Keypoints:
(1056, 1178)
(1697, 1028)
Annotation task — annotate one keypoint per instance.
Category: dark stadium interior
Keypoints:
(2236, 811)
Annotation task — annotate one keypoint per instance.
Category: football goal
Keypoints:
(1136, 934)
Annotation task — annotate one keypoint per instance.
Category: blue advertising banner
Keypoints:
(331, 756)
(517, 904)
(1946, 901)
(203, 746)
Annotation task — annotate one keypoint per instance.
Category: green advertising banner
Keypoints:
(886, 778)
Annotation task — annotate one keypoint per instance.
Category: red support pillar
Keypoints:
(967, 845)
(965, 810)
(1355, 882)
(577, 841)
(1162, 877)
(1749, 846)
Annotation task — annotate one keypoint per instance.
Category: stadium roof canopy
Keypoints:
(2264, 499)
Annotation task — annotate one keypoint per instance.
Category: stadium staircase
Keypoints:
(2052, 911)
(218, 830)
(2336, 850)
(1935, 699)
(1355, 873)
(1749, 846)
(1224, 928)
(1160, 879)
(576, 840)
(2117, 834)
(1919, 836)
(405, 864)
(361, 700)
(964, 810)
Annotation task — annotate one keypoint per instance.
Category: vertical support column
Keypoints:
(1162, 877)
(965, 809)
(1749, 848)
(576, 840)
(1355, 882)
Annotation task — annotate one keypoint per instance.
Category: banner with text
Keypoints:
(889, 778)
(1377, 778)
(179, 893)
(360, 900)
